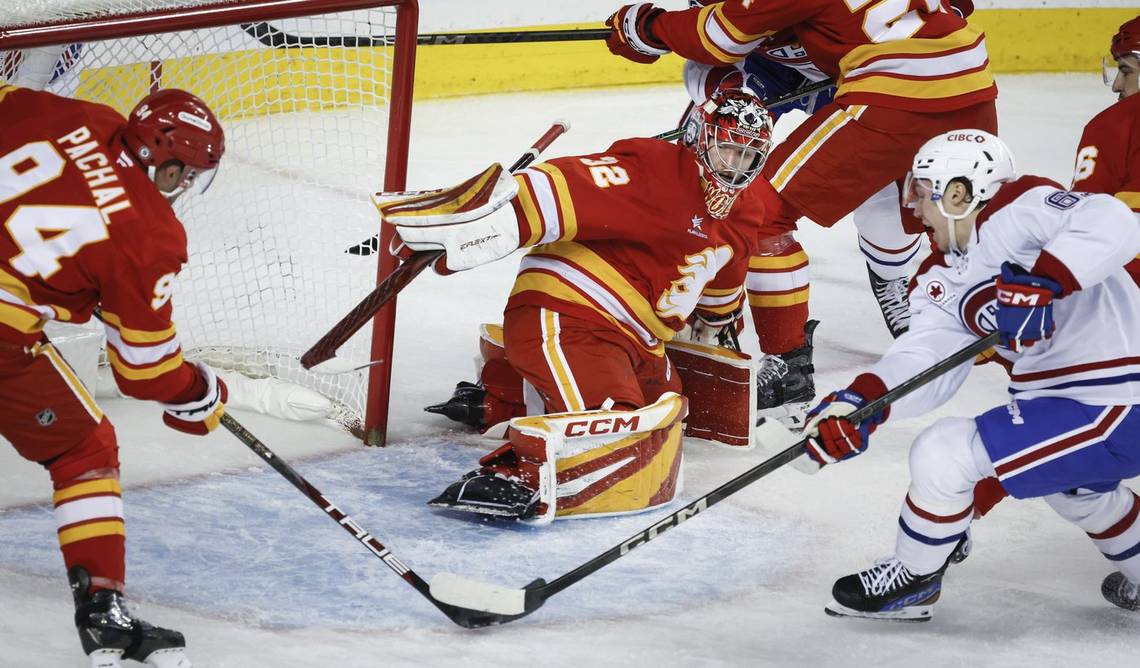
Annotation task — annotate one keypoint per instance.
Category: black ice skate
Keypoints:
(888, 591)
(489, 492)
(894, 302)
(1118, 591)
(110, 633)
(465, 404)
(785, 384)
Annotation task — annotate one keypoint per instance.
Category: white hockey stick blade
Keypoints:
(773, 437)
(474, 595)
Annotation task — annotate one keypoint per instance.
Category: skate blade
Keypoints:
(173, 657)
(478, 510)
(790, 415)
(106, 658)
(911, 613)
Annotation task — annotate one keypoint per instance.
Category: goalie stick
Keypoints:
(466, 617)
(512, 604)
(325, 348)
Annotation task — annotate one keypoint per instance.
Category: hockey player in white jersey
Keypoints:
(1044, 267)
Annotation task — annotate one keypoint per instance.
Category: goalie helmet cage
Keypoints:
(315, 98)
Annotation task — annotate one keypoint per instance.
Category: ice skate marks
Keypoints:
(246, 547)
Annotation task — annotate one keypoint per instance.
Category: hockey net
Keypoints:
(314, 97)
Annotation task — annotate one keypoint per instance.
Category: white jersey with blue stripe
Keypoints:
(1094, 355)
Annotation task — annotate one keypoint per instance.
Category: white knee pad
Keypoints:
(946, 460)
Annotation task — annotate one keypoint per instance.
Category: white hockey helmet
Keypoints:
(977, 157)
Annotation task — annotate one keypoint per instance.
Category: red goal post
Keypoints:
(316, 100)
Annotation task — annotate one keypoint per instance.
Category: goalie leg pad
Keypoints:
(583, 464)
(721, 387)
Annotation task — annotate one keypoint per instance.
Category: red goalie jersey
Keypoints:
(623, 238)
(83, 227)
(915, 55)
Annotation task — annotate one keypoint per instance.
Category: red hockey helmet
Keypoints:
(1126, 41)
(172, 124)
(732, 145)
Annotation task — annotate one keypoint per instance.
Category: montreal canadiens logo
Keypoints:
(978, 308)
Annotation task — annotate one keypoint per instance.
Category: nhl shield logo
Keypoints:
(46, 417)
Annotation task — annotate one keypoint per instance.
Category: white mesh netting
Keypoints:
(306, 130)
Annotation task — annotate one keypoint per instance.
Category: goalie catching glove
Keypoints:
(469, 222)
(203, 415)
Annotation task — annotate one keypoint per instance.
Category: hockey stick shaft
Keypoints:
(767, 466)
(279, 39)
(462, 616)
(535, 594)
(325, 348)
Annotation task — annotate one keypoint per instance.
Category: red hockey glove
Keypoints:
(1024, 307)
(631, 36)
(830, 436)
(202, 416)
(962, 8)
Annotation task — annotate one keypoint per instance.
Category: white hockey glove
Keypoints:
(201, 416)
(469, 222)
(716, 329)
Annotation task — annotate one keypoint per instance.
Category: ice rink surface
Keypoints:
(225, 550)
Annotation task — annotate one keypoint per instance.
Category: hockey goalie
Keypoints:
(626, 246)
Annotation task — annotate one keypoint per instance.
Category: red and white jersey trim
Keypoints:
(1062, 444)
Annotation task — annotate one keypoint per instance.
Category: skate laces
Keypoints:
(888, 573)
(772, 369)
(892, 296)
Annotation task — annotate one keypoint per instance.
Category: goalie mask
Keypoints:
(732, 144)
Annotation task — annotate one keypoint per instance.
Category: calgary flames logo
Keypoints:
(684, 293)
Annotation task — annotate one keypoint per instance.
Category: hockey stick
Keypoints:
(515, 603)
(279, 39)
(465, 617)
(325, 348)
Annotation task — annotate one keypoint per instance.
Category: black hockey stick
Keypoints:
(465, 617)
(279, 39)
(515, 603)
(325, 348)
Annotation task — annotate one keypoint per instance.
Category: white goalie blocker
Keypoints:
(604, 462)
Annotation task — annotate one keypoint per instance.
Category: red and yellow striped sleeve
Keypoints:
(725, 32)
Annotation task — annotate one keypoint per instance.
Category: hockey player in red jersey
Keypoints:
(625, 246)
(1108, 156)
(87, 230)
(1040, 265)
(905, 70)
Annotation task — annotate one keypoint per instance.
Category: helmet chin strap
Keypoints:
(952, 221)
